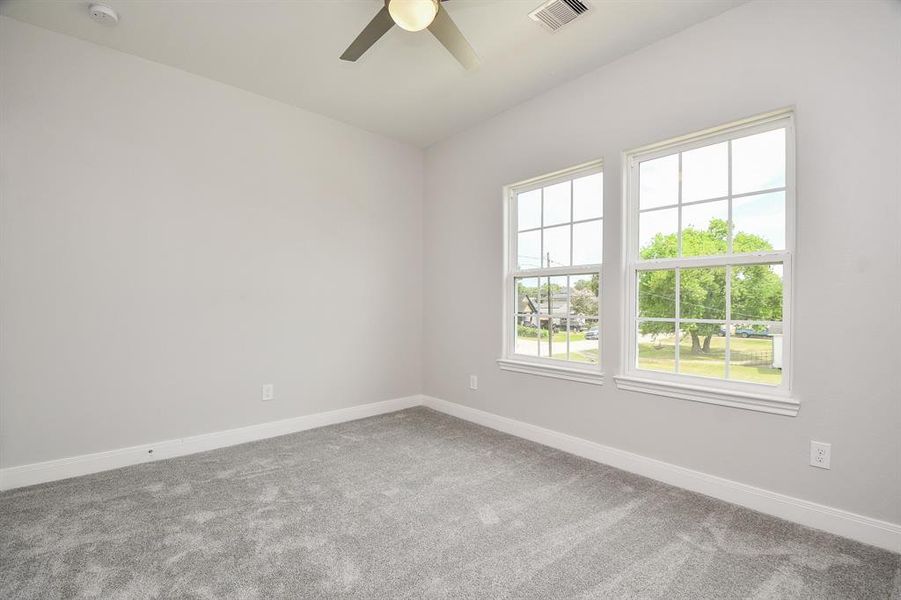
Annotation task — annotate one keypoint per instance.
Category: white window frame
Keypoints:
(537, 365)
(753, 396)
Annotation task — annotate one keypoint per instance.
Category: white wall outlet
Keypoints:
(820, 454)
(268, 391)
(473, 382)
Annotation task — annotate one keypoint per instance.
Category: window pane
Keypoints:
(527, 295)
(584, 341)
(657, 233)
(556, 246)
(705, 173)
(705, 228)
(702, 351)
(588, 197)
(526, 335)
(757, 293)
(755, 353)
(702, 293)
(656, 346)
(588, 242)
(554, 295)
(658, 182)
(657, 294)
(758, 222)
(528, 249)
(529, 210)
(758, 162)
(556, 204)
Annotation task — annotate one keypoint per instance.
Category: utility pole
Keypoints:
(550, 319)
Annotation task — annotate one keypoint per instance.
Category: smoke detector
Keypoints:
(104, 15)
(554, 14)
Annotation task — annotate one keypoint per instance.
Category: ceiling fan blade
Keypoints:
(378, 26)
(444, 28)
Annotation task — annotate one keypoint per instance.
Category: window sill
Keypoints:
(593, 377)
(768, 403)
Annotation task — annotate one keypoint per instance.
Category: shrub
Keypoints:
(525, 331)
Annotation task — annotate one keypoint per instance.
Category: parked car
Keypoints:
(747, 332)
(592, 334)
(576, 324)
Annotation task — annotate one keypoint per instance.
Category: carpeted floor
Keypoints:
(413, 504)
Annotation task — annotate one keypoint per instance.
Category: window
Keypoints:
(552, 288)
(709, 248)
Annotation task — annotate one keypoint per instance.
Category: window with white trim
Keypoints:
(709, 247)
(552, 307)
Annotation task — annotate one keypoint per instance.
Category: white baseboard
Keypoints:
(818, 516)
(52, 470)
(839, 522)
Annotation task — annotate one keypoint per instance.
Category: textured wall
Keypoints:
(169, 244)
(839, 64)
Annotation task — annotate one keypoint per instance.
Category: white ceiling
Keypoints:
(406, 86)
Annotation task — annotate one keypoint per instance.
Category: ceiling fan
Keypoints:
(414, 15)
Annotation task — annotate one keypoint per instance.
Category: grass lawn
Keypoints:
(750, 359)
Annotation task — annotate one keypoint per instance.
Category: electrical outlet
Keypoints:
(268, 392)
(820, 454)
(473, 382)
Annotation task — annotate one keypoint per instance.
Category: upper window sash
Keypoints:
(512, 200)
(783, 119)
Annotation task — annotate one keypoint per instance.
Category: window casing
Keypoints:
(709, 243)
(554, 235)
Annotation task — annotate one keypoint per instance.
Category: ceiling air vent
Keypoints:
(554, 14)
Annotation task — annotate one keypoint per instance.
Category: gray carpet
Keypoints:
(413, 504)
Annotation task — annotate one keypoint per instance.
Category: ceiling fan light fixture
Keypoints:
(413, 15)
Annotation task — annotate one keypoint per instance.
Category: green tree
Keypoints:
(593, 284)
(756, 289)
(583, 298)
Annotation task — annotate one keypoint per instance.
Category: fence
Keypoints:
(763, 358)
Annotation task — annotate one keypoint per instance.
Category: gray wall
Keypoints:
(839, 64)
(170, 243)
